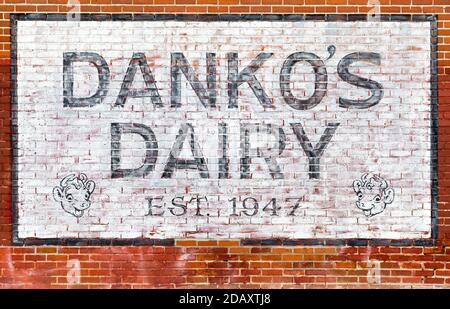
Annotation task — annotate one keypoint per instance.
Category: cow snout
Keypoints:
(85, 205)
(363, 206)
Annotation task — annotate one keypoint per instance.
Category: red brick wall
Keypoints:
(226, 263)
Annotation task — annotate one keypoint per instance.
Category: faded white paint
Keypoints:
(391, 139)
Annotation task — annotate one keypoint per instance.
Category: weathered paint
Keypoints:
(227, 119)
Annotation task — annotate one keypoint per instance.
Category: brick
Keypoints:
(331, 266)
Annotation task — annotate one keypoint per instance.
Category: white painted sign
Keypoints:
(242, 129)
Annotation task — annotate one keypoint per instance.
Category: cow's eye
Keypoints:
(86, 196)
(69, 197)
(377, 198)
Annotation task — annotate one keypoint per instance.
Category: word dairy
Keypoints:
(186, 134)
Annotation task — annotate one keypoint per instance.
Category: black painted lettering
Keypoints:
(376, 89)
(198, 200)
(151, 149)
(179, 64)
(247, 75)
(223, 148)
(151, 206)
(269, 153)
(177, 202)
(150, 90)
(320, 84)
(198, 163)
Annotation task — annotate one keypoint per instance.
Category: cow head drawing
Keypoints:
(373, 194)
(74, 193)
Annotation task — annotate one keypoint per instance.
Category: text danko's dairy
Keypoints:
(207, 95)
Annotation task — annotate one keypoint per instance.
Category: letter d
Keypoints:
(103, 79)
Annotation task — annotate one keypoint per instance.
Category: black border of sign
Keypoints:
(14, 17)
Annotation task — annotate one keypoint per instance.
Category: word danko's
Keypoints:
(207, 93)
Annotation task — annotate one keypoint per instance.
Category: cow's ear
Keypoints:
(388, 195)
(90, 185)
(58, 194)
(357, 185)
